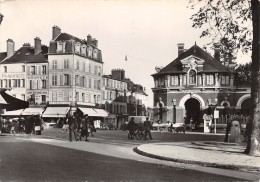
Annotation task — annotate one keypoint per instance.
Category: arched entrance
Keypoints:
(192, 107)
(246, 106)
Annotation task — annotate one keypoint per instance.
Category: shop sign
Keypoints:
(13, 75)
(37, 77)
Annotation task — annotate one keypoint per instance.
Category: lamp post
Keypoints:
(215, 112)
(174, 110)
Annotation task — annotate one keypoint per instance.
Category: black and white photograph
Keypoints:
(129, 90)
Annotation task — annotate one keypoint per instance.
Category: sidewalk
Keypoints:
(213, 154)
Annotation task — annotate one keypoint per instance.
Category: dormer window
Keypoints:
(192, 77)
(90, 52)
(83, 50)
(77, 48)
(59, 47)
(224, 80)
(95, 54)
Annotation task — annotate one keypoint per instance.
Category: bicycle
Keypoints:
(138, 134)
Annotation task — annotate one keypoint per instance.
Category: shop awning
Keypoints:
(56, 112)
(13, 113)
(102, 112)
(32, 111)
(94, 112)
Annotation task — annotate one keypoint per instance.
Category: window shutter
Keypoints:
(61, 79)
(69, 79)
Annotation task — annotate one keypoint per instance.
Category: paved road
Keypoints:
(30, 158)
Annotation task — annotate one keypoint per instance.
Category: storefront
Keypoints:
(55, 114)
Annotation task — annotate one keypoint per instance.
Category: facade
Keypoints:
(75, 71)
(114, 98)
(24, 72)
(194, 84)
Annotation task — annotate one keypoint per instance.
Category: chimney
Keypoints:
(55, 31)
(89, 39)
(37, 45)
(180, 48)
(95, 42)
(10, 47)
(217, 51)
(26, 45)
(118, 74)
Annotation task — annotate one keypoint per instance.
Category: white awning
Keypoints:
(94, 112)
(102, 112)
(13, 113)
(56, 112)
(32, 111)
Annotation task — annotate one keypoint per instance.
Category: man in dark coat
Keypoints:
(84, 130)
(131, 128)
(147, 129)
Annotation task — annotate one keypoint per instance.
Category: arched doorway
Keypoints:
(246, 106)
(192, 107)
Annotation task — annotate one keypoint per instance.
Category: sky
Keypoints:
(147, 31)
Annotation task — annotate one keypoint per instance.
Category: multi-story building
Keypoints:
(114, 97)
(195, 82)
(24, 72)
(75, 71)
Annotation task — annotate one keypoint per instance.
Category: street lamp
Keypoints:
(215, 111)
(174, 110)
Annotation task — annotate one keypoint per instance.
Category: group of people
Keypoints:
(25, 124)
(80, 127)
(147, 126)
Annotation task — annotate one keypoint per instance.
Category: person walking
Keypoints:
(72, 127)
(147, 129)
(84, 130)
(131, 128)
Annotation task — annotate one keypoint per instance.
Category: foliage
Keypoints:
(227, 22)
(243, 75)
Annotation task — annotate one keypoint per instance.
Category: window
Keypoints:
(89, 83)
(95, 54)
(54, 79)
(5, 69)
(224, 80)
(10, 83)
(66, 64)
(23, 83)
(31, 84)
(83, 81)
(54, 64)
(23, 68)
(77, 65)
(210, 79)
(14, 83)
(5, 84)
(66, 79)
(77, 48)
(83, 50)
(44, 82)
(54, 96)
(192, 77)
(99, 71)
(77, 96)
(90, 52)
(44, 99)
(44, 70)
(83, 97)
(90, 70)
(66, 95)
(95, 70)
(174, 80)
(59, 47)
(76, 80)
(33, 70)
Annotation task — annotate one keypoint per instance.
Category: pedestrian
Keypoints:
(91, 127)
(147, 129)
(229, 121)
(73, 126)
(84, 130)
(191, 124)
(131, 128)
(1, 124)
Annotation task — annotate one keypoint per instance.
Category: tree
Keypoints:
(243, 75)
(228, 22)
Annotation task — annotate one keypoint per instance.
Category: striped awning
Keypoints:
(32, 111)
(55, 112)
(94, 112)
(13, 113)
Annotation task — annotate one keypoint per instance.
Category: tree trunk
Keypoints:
(253, 145)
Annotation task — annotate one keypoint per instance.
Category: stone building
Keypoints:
(195, 83)
(75, 71)
(25, 72)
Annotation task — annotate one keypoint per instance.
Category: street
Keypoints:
(37, 158)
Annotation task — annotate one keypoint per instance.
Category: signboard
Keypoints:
(216, 114)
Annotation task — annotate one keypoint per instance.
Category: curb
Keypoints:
(205, 164)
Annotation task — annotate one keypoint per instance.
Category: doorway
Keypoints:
(192, 108)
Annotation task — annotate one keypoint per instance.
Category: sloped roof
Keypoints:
(66, 36)
(27, 53)
(3, 55)
(210, 65)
